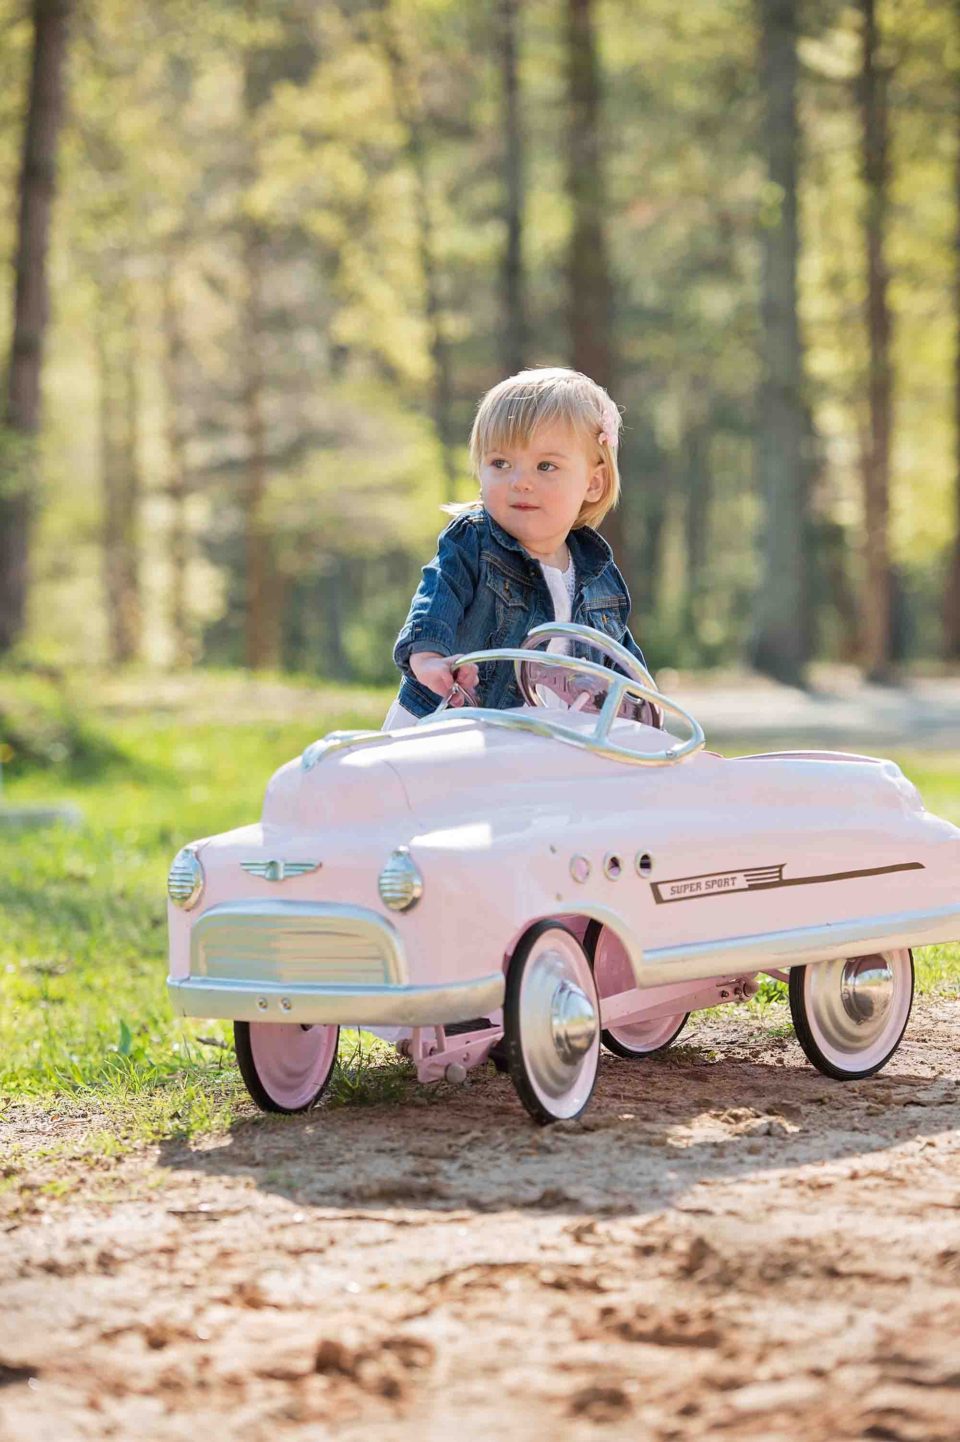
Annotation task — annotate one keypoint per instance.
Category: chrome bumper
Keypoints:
(299, 961)
(349, 1005)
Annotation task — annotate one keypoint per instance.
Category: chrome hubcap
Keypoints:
(866, 988)
(573, 1022)
(558, 1022)
(851, 999)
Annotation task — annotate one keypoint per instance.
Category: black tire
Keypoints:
(542, 1108)
(498, 1055)
(808, 1025)
(611, 1042)
(259, 1085)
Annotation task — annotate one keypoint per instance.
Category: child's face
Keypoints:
(535, 490)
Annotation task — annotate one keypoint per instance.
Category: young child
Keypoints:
(544, 449)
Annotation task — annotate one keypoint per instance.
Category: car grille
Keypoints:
(295, 944)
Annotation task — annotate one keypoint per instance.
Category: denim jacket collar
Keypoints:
(589, 550)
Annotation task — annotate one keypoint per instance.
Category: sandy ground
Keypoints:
(729, 1245)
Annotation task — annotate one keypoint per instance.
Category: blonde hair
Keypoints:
(512, 410)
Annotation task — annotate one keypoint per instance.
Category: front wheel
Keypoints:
(551, 1017)
(286, 1067)
(850, 1014)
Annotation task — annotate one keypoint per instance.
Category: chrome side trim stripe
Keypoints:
(701, 959)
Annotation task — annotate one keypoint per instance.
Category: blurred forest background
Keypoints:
(260, 260)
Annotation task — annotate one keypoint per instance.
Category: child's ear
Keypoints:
(597, 482)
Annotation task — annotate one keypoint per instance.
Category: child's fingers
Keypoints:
(434, 672)
(468, 676)
(442, 678)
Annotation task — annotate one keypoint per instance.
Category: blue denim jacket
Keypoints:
(483, 590)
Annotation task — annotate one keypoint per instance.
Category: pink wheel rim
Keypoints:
(613, 973)
(643, 1036)
(293, 1063)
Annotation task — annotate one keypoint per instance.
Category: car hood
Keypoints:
(346, 788)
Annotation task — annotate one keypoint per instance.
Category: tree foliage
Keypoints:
(349, 159)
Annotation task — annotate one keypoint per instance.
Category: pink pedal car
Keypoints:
(550, 879)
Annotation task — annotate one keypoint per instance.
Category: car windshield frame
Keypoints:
(638, 685)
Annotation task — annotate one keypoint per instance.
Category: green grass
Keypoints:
(85, 1024)
(84, 1017)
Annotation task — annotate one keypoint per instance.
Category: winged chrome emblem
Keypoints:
(279, 870)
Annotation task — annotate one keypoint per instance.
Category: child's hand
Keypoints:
(437, 674)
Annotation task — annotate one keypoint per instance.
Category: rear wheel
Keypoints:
(850, 1014)
(613, 973)
(551, 1020)
(286, 1067)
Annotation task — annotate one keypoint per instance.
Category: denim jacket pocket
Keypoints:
(510, 598)
(608, 615)
(509, 592)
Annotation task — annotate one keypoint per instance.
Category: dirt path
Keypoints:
(729, 1245)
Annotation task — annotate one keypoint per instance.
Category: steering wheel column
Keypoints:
(577, 690)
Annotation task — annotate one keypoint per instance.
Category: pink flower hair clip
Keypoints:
(609, 426)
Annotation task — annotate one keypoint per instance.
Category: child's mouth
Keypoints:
(523, 506)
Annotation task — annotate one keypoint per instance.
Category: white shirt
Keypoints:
(562, 586)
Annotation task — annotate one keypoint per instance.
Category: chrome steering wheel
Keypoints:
(616, 686)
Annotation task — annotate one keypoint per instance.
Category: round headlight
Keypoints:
(400, 882)
(185, 881)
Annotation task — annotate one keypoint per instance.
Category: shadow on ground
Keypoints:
(654, 1131)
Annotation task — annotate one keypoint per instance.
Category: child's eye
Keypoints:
(548, 464)
(498, 462)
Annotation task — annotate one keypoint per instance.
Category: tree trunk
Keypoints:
(780, 630)
(876, 456)
(262, 634)
(951, 614)
(177, 488)
(22, 419)
(512, 280)
(407, 104)
(696, 526)
(645, 529)
(334, 585)
(120, 467)
(263, 66)
(589, 289)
